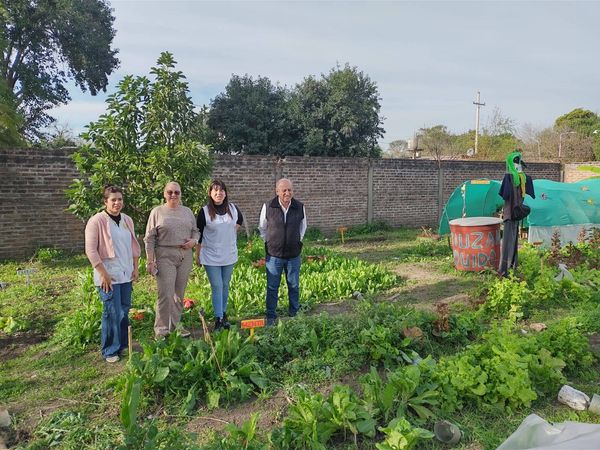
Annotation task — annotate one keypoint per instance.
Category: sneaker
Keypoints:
(219, 324)
(112, 359)
(271, 321)
(184, 333)
(226, 323)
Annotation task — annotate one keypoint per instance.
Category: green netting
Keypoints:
(556, 204)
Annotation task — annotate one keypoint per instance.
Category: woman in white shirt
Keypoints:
(218, 222)
(113, 249)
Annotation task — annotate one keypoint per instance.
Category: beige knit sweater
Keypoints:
(169, 227)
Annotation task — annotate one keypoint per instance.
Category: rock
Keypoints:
(357, 295)
(537, 326)
(4, 418)
(573, 398)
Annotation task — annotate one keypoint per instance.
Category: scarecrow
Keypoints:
(515, 185)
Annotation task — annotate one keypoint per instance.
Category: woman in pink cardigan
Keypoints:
(113, 250)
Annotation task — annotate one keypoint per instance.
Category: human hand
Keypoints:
(135, 275)
(105, 281)
(188, 244)
(151, 268)
(198, 261)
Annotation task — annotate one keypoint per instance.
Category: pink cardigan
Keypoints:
(98, 241)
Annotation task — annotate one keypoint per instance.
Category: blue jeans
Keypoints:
(115, 318)
(275, 267)
(219, 277)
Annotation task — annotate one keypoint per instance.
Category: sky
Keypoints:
(533, 61)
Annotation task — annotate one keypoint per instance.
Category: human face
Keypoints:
(172, 195)
(218, 195)
(285, 192)
(114, 203)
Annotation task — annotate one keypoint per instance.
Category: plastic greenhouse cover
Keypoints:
(535, 433)
(556, 204)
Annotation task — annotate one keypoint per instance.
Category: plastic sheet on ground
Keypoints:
(535, 433)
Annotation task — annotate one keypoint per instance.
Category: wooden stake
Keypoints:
(129, 341)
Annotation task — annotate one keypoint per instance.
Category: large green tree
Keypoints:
(10, 120)
(147, 137)
(251, 117)
(338, 114)
(46, 43)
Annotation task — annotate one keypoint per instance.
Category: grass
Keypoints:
(67, 396)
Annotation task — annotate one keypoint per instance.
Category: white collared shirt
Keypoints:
(262, 221)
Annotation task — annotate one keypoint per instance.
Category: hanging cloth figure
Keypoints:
(515, 185)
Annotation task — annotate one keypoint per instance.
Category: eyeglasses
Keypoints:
(173, 192)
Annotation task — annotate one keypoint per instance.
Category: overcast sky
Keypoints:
(533, 60)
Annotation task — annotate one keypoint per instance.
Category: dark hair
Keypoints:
(212, 212)
(110, 189)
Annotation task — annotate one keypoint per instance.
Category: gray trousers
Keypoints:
(174, 266)
(510, 244)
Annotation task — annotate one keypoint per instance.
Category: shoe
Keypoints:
(226, 323)
(219, 324)
(184, 333)
(271, 321)
(112, 359)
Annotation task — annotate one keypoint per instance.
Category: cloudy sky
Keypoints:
(533, 60)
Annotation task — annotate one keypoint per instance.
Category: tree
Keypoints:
(10, 120)
(585, 123)
(435, 140)
(48, 42)
(396, 149)
(251, 117)
(147, 137)
(338, 114)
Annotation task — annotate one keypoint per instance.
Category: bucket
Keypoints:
(476, 243)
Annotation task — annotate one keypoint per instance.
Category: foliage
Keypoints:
(48, 254)
(245, 437)
(8, 324)
(407, 390)
(146, 138)
(564, 340)
(584, 123)
(11, 121)
(506, 298)
(435, 140)
(401, 435)
(338, 114)
(503, 373)
(83, 326)
(48, 43)
(188, 371)
(251, 117)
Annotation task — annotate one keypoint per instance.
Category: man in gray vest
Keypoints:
(282, 225)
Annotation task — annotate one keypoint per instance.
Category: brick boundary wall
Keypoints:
(573, 174)
(336, 191)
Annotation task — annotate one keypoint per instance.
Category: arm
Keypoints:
(92, 236)
(303, 224)
(262, 222)
(240, 219)
(195, 235)
(150, 241)
(201, 224)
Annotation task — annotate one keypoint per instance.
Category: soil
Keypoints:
(14, 345)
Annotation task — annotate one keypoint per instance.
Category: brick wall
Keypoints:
(573, 174)
(336, 192)
(32, 202)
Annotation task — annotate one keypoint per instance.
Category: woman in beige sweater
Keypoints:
(171, 233)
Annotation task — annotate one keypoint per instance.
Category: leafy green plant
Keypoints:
(245, 437)
(8, 324)
(48, 254)
(401, 435)
(506, 298)
(344, 410)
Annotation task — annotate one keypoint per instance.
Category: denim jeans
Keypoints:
(115, 318)
(219, 277)
(275, 267)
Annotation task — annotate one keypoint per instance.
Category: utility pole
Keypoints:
(478, 105)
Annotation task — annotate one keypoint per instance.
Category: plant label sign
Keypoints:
(252, 324)
(26, 273)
